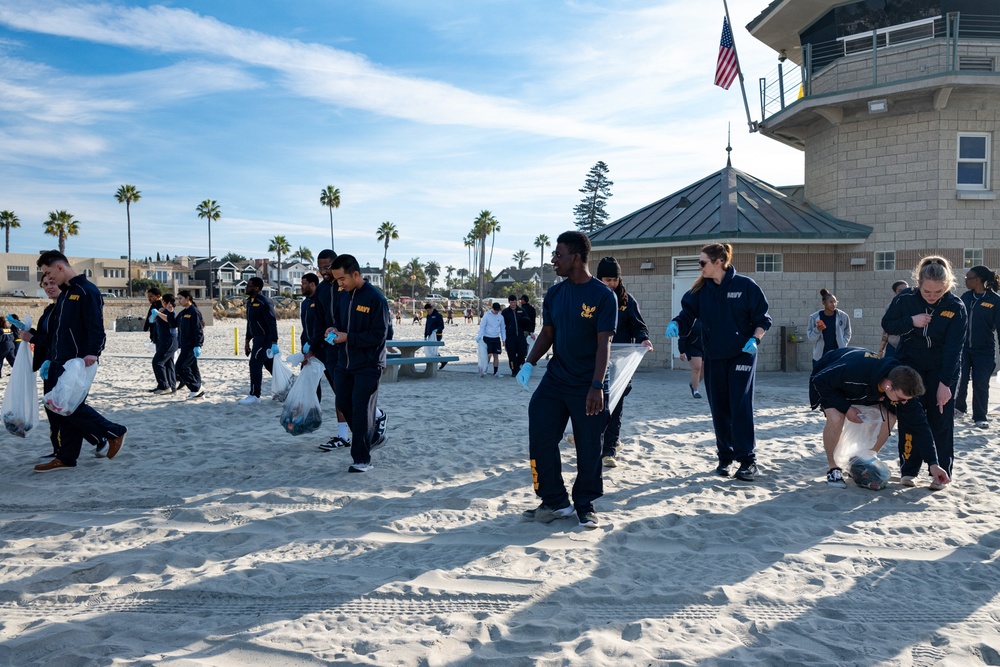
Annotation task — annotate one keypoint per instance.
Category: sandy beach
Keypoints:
(216, 539)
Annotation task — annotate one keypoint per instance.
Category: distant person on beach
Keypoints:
(829, 329)
(493, 333)
(8, 335)
(690, 349)
(530, 317)
(734, 317)
(327, 292)
(890, 344)
(853, 376)
(399, 315)
(979, 353)
(931, 322)
(451, 315)
(190, 338)
(579, 317)
(514, 341)
(361, 317)
(434, 326)
(76, 327)
(261, 337)
(149, 324)
(166, 345)
(631, 329)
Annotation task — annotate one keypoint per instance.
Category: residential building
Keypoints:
(20, 275)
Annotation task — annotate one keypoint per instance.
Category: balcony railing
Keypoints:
(949, 44)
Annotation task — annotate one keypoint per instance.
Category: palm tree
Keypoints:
(448, 271)
(470, 243)
(209, 210)
(494, 228)
(8, 221)
(128, 194)
(540, 242)
(416, 273)
(521, 256)
(303, 254)
(386, 232)
(481, 228)
(433, 270)
(280, 246)
(61, 224)
(330, 197)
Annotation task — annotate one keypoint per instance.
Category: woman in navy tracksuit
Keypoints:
(978, 361)
(631, 329)
(931, 322)
(190, 338)
(733, 314)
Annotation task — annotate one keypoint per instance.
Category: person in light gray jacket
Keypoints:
(829, 329)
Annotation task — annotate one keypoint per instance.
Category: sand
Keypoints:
(215, 539)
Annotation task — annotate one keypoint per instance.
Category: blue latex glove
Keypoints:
(672, 330)
(751, 346)
(16, 323)
(524, 374)
(305, 349)
(273, 352)
(331, 338)
(197, 352)
(152, 315)
(43, 372)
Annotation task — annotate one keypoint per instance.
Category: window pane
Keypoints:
(971, 174)
(972, 148)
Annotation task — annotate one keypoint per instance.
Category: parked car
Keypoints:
(109, 295)
(433, 296)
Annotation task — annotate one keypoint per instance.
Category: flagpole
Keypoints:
(739, 70)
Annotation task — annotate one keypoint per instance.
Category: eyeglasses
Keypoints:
(702, 263)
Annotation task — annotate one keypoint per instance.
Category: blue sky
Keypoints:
(422, 114)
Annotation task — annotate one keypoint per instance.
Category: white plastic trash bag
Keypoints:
(431, 350)
(484, 357)
(151, 346)
(301, 413)
(20, 399)
(282, 379)
(855, 454)
(624, 361)
(994, 402)
(72, 387)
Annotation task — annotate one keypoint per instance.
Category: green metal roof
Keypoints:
(730, 205)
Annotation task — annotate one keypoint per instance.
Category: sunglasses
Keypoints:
(702, 263)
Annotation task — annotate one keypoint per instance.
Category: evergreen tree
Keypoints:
(589, 213)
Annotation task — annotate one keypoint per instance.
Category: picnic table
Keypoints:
(404, 363)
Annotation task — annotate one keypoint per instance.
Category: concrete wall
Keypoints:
(113, 309)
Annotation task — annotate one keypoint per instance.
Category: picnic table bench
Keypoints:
(405, 361)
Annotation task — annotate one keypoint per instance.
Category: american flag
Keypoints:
(727, 67)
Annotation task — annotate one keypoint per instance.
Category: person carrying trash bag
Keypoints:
(852, 376)
(262, 337)
(20, 398)
(76, 332)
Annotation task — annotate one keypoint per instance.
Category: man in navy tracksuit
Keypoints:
(165, 325)
(261, 339)
(579, 316)
(361, 324)
(734, 319)
(516, 343)
(190, 338)
(851, 376)
(979, 354)
(433, 324)
(153, 295)
(76, 330)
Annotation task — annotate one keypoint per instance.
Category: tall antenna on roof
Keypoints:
(729, 145)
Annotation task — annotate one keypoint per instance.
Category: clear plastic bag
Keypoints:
(484, 357)
(282, 379)
(301, 412)
(72, 387)
(624, 361)
(854, 452)
(20, 399)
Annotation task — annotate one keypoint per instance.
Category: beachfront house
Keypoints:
(374, 276)
(20, 277)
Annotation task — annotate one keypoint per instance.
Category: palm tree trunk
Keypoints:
(128, 278)
(62, 242)
(331, 227)
(7, 229)
(211, 277)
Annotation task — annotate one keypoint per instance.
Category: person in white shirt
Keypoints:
(493, 333)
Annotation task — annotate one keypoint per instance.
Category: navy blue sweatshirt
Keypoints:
(165, 329)
(692, 342)
(936, 347)
(190, 328)
(730, 313)
(262, 323)
(41, 337)
(76, 324)
(850, 375)
(984, 318)
(434, 323)
(151, 326)
(631, 327)
(363, 315)
(530, 318)
(313, 324)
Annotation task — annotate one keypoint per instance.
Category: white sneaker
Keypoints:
(907, 480)
(197, 394)
(360, 467)
(835, 477)
(249, 400)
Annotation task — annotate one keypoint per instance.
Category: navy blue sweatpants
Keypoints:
(729, 387)
(979, 364)
(942, 425)
(357, 400)
(258, 362)
(551, 407)
(68, 432)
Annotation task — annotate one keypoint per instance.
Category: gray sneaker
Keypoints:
(747, 472)
(588, 520)
(545, 514)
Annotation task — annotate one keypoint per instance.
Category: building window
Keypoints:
(769, 262)
(18, 273)
(885, 260)
(973, 171)
(114, 273)
(972, 257)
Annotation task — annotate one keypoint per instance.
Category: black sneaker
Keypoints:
(380, 440)
(381, 423)
(335, 442)
(747, 472)
(545, 514)
(723, 469)
(588, 520)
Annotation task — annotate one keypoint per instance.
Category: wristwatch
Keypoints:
(597, 385)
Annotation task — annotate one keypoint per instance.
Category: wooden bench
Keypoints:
(396, 365)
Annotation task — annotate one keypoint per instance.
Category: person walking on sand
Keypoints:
(853, 376)
(261, 337)
(979, 353)
(166, 344)
(931, 323)
(361, 316)
(734, 316)
(690, 349)
(190, 338)
(579, 317)
(434, 325)
(890, 344)
(8, 336)
(515, 342)
(493, 333)
(829, 328)
(153, 295)
(77, 332)
(631, 329)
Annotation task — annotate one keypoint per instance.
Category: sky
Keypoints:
(422, 114)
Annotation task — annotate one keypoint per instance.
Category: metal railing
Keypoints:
(954, 42)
